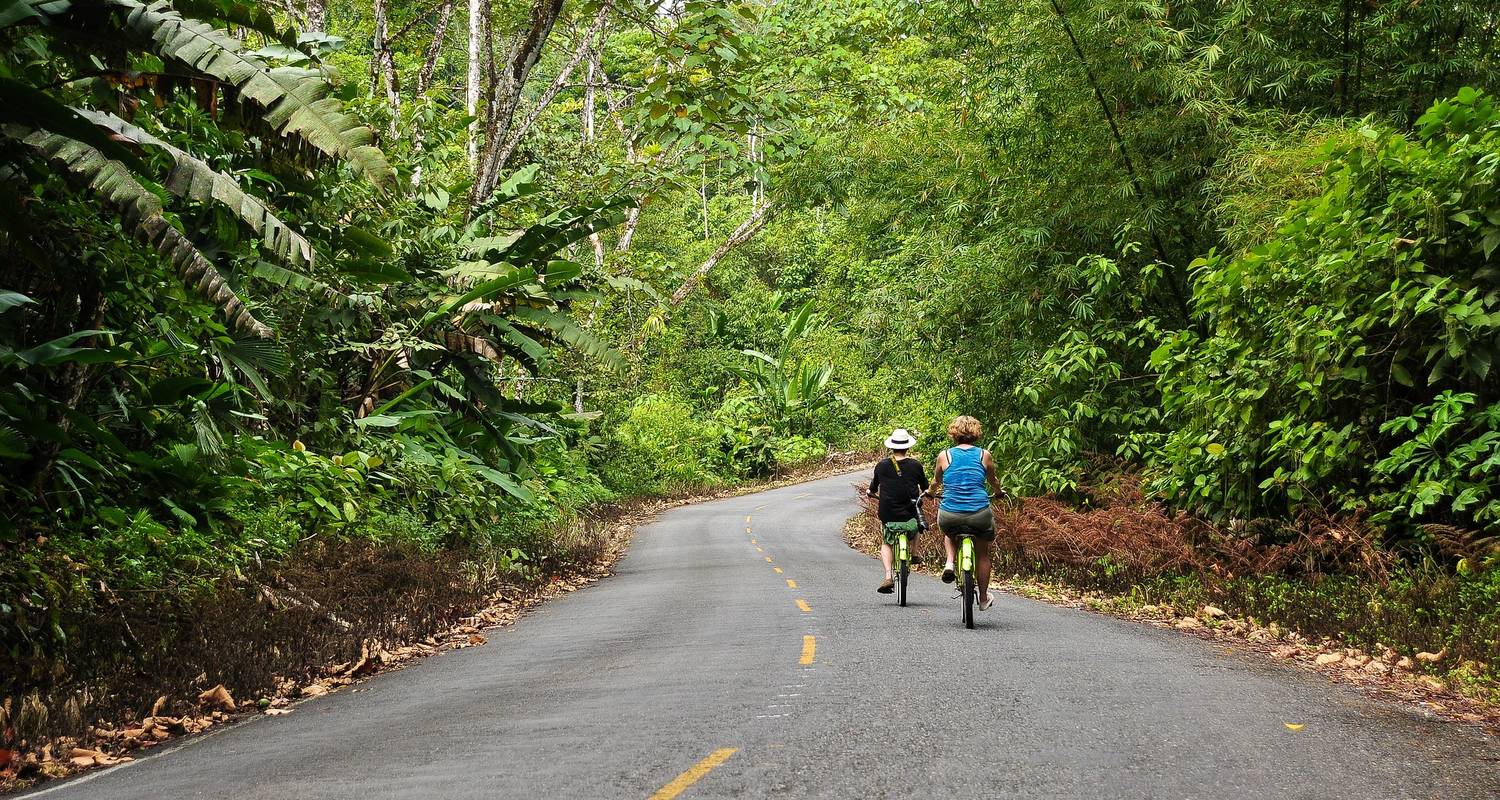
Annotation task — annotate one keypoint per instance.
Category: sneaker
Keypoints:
(948, 573)
(986, 605)
(887, 586)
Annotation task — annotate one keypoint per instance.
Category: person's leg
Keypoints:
(952, 550)
(982, 565)
(886, 558)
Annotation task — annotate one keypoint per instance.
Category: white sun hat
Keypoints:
(900, 440)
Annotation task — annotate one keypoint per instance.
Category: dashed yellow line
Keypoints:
(802, 604)
(791, 584)
(747, 519)
(759, 549)
(768, 559)
(752, 541)
(809, 649)
(778, 569)
(695, 773)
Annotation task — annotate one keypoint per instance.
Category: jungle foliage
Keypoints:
(285, 279)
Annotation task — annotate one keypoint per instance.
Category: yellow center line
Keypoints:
(809, 648)
(747, 530)
(747, 519)
(802, 604)
(768, 559)
(694, 773)
(778, 570)
(791, 584)
(760, 549)
(752, 541)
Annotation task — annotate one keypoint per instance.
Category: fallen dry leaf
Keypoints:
(1328, 658)
(314, 690)
(277, 712)
(159, 706)
(217, 697)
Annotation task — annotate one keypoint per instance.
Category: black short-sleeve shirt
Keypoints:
(898, 487)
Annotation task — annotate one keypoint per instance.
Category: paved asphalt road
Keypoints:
(696, 646)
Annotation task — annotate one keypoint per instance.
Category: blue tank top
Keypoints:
(963, 481)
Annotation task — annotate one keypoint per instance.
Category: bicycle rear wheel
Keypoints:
(968, 600)
(901, 583)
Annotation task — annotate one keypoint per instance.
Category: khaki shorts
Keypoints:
(979, 524)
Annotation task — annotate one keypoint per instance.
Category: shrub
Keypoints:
(663, 445)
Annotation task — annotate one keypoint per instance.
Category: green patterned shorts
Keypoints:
(895, 529)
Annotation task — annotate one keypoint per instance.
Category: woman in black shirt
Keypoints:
(898, 482)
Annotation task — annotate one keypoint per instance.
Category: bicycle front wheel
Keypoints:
(968, 600)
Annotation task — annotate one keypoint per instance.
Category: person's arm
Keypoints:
(937, 474)
(991, 475)
(921, 475)
(875, 482)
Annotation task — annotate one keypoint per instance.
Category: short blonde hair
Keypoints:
(964, 430)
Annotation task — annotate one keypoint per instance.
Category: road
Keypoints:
(740, 651)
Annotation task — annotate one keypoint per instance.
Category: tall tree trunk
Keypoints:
(524, 54)
(586, 122)
(756, 154)
(383, 64)
(590, 90)
(478, 9)
(1345, 57)
(424, 81)
(317, 16)
(744, 233)
(435, 48)
(633, 214)
(518, 132)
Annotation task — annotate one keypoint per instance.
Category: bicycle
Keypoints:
(902, 550)
(968, 583)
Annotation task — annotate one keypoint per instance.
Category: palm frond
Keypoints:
(194, 179)
(296, 101)
(566, 329)
(142, 212)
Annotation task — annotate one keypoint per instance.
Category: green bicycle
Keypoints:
(902, 548)
(968, 582)
(968, 585)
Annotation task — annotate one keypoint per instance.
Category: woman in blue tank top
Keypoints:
(965, 473)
